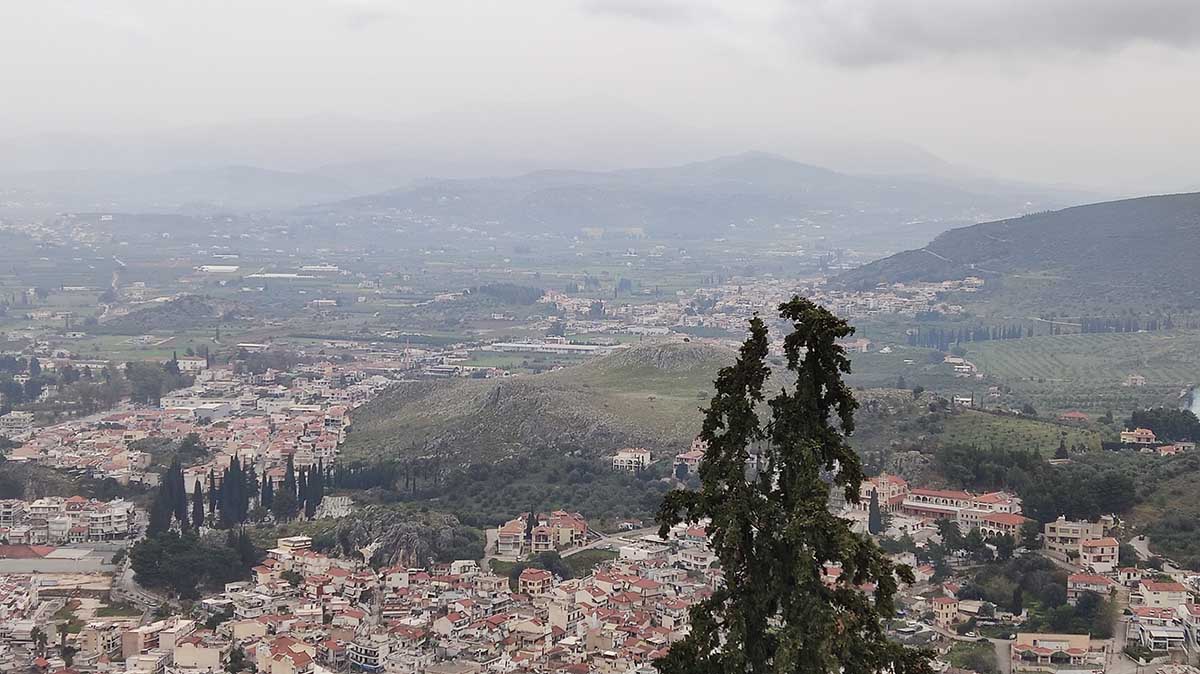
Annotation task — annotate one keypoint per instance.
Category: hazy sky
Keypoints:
(1091, 92)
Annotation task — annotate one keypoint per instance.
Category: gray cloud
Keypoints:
(869, 32)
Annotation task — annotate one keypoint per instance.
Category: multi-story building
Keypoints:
(369, 652)
(1138, 436)
(510, 538)
(1081, 583)
(1100, 554)
(945, 611)
(1066, 537)
(534, 581)
(1160, 594)
(12, 512)
(631, 459)
(890, 490)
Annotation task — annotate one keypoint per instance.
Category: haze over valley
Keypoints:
(600, 337)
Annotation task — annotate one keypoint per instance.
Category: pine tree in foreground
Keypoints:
(771, 528)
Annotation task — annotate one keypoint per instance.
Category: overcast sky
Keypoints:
(1089, 92)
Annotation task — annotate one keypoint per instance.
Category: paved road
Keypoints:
(1141, 545)
(613, 542)
(489, 547)
(604, 541)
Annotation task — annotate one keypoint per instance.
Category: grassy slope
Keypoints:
(647, 395)
(1087, 247)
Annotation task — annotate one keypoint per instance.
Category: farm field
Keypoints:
(1010, 432)
(1086, 371)
(1164, 358)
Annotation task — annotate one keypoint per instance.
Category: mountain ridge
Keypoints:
(1117, 252)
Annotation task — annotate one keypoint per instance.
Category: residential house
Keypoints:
(1099, 554)
(945, 611)
(1080, 583)
(1160, 594)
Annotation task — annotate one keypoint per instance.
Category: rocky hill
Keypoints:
(186, 312)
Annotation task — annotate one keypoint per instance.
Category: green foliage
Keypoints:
(584, 562)
(550, 561)
(490, 494)
(184, 564)
(284, 504)
(1083, 489)
(1167, 423)
(170, 501)
(149, 381)
(973, 656)
(510, 293)
(951, 535)
(772, 530)
(1031, 535)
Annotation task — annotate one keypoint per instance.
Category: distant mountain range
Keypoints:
(748, 193)
(1134, 253)
(741, 195)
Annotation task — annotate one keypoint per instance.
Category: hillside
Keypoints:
(751, 193)
(1098, 257)
(644, 396)
(186, 312)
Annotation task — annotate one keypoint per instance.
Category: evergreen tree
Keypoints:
(318, 484)
(302, 490)
(285, 505)
(212, 493)
(198, 504)
(266, 500)
(233, 488)
(249, 490)
(160, 514)
(771, 528)
(180, 496)
(530, 523)
(874, 515)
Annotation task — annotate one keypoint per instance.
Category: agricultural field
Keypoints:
(981, 429)
(1165, 357)
(1086, 371)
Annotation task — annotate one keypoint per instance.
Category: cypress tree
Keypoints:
(212, 493)
(284, 506)
(181, 499)
(249, 489)
(318, 491)
(266, 500)
(198, 504)
(160, 514)
(770, 526)
(874, 515)
(302, 490)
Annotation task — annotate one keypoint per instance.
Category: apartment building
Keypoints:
(1100, 554)
(631, 459)
(1066, 536)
